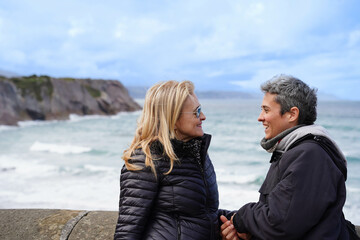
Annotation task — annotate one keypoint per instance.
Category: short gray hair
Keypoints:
(292, 92)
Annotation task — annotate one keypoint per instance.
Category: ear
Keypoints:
(294, 115)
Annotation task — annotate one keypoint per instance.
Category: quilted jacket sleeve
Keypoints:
(138, 191)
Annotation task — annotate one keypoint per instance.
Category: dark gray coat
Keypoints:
(301, 198)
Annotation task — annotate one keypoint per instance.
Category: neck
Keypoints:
(270, 144)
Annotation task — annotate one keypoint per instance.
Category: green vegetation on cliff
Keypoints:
(92, 91)
(69, 79)
(34, 85)
(37, 86)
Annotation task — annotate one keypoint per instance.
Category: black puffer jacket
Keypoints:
(180, 205)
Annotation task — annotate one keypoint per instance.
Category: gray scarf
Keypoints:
(285, 139)
(270, 144)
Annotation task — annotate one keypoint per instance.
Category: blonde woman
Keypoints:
(168, 186)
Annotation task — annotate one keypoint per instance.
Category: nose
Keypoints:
(261, 117)
(202, 116)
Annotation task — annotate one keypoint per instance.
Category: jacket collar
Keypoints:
(190, 148)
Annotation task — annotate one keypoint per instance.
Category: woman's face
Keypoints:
(188, 126)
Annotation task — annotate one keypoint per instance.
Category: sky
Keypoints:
(229, 45)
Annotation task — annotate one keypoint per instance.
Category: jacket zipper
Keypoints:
(207, 194)
(203, 175)
(178, 227)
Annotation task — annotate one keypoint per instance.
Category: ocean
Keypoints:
(75, 164)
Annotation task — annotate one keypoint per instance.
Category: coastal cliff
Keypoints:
(46, 98)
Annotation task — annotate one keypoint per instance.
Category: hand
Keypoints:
(244, 236)
(228, 232)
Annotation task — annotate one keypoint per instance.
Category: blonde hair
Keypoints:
(162, 108)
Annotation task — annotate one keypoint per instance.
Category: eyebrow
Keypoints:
(265, 107)
(197, 107)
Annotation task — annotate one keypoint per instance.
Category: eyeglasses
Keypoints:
(197, 112)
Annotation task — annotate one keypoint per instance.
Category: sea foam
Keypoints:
(57, 148)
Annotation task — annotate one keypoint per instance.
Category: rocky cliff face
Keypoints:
(46, 98)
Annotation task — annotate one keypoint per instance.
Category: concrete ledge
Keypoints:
(45, 224)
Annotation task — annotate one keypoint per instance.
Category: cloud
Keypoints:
(16, 56)
(139, 31)
(217, 44)
(248, 28)
(354, 38)
(76, 29)
(334, 72)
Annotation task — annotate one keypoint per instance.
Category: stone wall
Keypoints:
(51, 224)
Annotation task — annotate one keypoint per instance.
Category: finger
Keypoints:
(226, 231)
(244, 236)
(223, 219)
(230, 230)
(231, 235)
(232, 219)
(225, 225)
